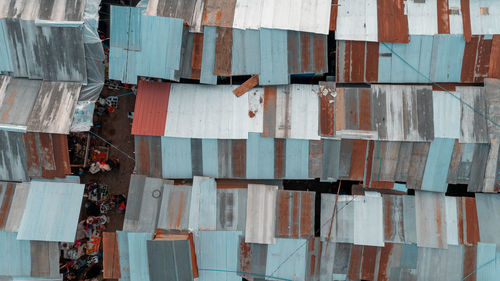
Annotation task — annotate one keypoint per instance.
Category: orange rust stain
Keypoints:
(313, 264)
(385, 255)
(472, 231)
(218, 15)
(306, 217)
(251, 114)
(470, 255)
(179, 210)
(261, 100)
(295, 215)
(439, 224)
(6, 204)
(10, 101)
(443, 17)
(245, 255)
(283, 210)
(460, 214)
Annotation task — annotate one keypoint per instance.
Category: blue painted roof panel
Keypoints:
(447, 55)
(273, 57)
(176, 157)
(485, 262)
(297, 159)
(208, 57)
(120, 22)
(5, 56)
(16, 255)
(133, 255)
(52, 211)
(210, 160)
(260, 157)
(246, 48)
(218, 250)
(436, 167)
(294, 252)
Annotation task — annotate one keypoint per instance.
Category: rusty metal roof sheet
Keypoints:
(17, 98)
(150, 110)
(295, 214)
(12, 157)
(431, 219)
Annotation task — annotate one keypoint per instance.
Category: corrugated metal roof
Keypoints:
(47, 155)
(136, 47)
(246, 14)
(150, 110)
(189, 105)
(54, 107)
(292, 112)
(13, 205)
(431, 219)
(218, 250)
(203, 207)
(17, 98)
(368, 215)
(23, 258)
(148, 156)
(343, 224)
(357, 20)
(488, 213)
(485, 22)
(53, 10)
(133, 255)
(12, 157)
(261, 214)
(175, 212)
(231, 209)
(403, 112)
(435, 177)
(190, 11)
(447, 114)
(52, 211)
(473, 126)
(492, 100)
(143, 204)
(294, 268)
(295, 214)
(169, 260)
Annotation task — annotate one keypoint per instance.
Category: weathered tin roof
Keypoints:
(441, 58)
(169, 260)
(12, 157)
(136, 48)
(191, 11)
(52, 211)
(218, 250)
(23, 259)
(37, 106)
(248, 14)
(133, 255)
(261, 214)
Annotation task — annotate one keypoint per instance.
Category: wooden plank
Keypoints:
(246, 86)
(61, 155)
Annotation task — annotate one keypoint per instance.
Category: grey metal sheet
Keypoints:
(346, 146)
(417, 164)
(478, 167)
(53, 10)
(410, 219)
(62, 53)
(231, 209)
(330, 161)
(343, 224)
(432, 264)
(175, 208)
(491, 181)
(170, 260)
(473, 127)
(385, 160)
(368, 215)
(12, 157)
(455, 262)
(17, 98)
(17, 206)
(488, 213)
(403, 165)
(143, 204)
(54, 107)
(492, 96)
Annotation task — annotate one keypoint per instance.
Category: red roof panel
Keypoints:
(151, 108)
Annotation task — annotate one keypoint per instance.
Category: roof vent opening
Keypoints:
(484, 11)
